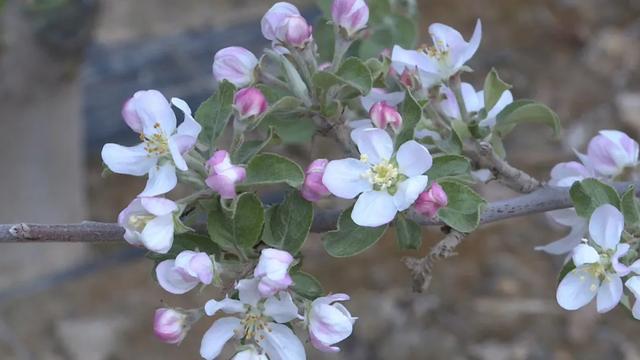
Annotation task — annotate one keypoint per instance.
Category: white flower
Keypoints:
(610, 152)
(598, 271)
(255, 322)
(474, 102)
(329, 322)
(439, 62)
(148, 222)
(160, 153)
(189, 269)
(387, 182)
(272, 271)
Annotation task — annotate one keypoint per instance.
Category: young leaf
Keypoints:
(493, 89)
(522, 111)
(408, 233)
(350, 239)
(306, 285)
(292, 128)
(356, 74)
(587, 195)
(250, 148)
(265, 169)
(240, 227)
(411, 114)
(214, 113)
(448, 165)
(288, 223)
(464, 208)
(630, 207)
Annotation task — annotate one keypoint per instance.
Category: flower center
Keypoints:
(138, 222)
(253, 323)
(383, 175)
(156, 144)
(439, 50)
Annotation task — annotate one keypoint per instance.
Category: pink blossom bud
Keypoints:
(273, 271)
(131, 117)
(407, 78)
(382, 115)
(223, 175)
(236, 65)
(351, 15)
(329, 322)
(432, 200)
(313, 189)
(187, 271)
(250, 102)
(295, 31)
(169, 325)
(610, 152)
(274, 18)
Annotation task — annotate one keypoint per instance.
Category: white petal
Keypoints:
(470, 97)
(402, 59)
(505, 99)
(218, 334)
(157, 235)
(153, 108)
(577, 289)
(408, 191)
(189, 127)
(449, 105)
(567, 217)
(585, 254)
(343, 178)
(469, 49)
(374, 208)
(162, 179)
(330, 324)
(132, 160)
(567, 243)
(413, 159)
(171, 280)
(376, 144)
(376, 95)
(228, 306)
(158, 206)
(176, 155)
(610, 293)
(248, 291)
(633, 284)
(635, 267)
(282, 310)
(281, 343)
(606, 225)
(620, 268)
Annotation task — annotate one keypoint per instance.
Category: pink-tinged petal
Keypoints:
(379, 94)
(223, 185)
(228, 306)
(351, 15)
(609, 293)
(132, 160)
(158, 206)
(343, 178)
(281, 308)
(408, 191)
(169, 325)
(413, 159)
(274, 17)
(184, 142)
(217, 336)
(620, 268)
(131, 117)
(376, 144)
(374, 208)
(566, 173)
(203, 267)
(313, 189)
(320, 346)
(577, 289)
(585, 254)
(176, 155)
(162, 179)
(250, 102)
(329, 324)
(273, 263)
(268, 287)
(606, 226)
(189, 127)
(157, 235)
(134, 207)
(248, 291)
(154, 110)
(280, 343)
(173, 281)
(236, 65)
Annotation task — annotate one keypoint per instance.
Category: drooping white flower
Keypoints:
(272, 271)
(474, 102)
(610, 152)
(148, 222)
(254, 321)
(149, 114)
(386, 182)
(439, 62)
(329, 322)
(598, 270)
(189, 269)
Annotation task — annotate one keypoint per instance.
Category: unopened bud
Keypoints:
(382, 115)
(350, 15)
(236, 65)
(170, 325)
(432, 200)
(295, 31)
(250, 102)
(313, 189)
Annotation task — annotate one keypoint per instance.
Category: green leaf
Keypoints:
(292, 128)
(266, 168)
(306, 285)
(411, 114)
(465, 206)
(408, 233)
(350, 239)
(522, 111)
(352, 73)
(218, 226)
(493, 89)
(447, 166)
(214, 113)
(288, 223)
(324, 37)
(587, 195)
(239, 228)
(377, 68)
(250, 148)
(630, 207)
(451, 145)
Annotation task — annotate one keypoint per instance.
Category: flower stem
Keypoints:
(454, 83)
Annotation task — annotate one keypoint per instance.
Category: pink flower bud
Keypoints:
(236, 65)
(351, 15)
(187, 271)
(273, 271)
(382, 115)
(407, 78)
(295, 31)
(274, 18)
(131, 117)
(169, 325)
(224, 175)
(329, 322)
(432, 200)
(250, 102)
(313, 189)
(610, 152)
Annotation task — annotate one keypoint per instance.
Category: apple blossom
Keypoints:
(148, 222)
(249, 102)
(189, 269)
(598, 271)
(272, 271)
(382, 115)
(329, 322)
(350, 15)
(160, 153)
(474, 102)
(439, 62)
(378, 94)
(313, 189)
(223, 175)
(610, 152)
(169, 325)
(250, 353)
(275, 17)
(236, 65)
(432, 200)
(294, 31)
(387, 182)
(255, 321)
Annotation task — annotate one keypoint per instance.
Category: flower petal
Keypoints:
(176, 154)
(411, 60)
(248, 291)
(228, 306)
(505, 99)
(376, 144)
(408, 191)
(377, 95)
(413, 159)
(620, 268)
(343, 178)
(281, 309)
(329, 324)
(158, 206)
(171, 280)
(633, 284)
(374, 208)
(281, 343)
(585, 254)
(218, 334)
(132, 160)
(577, 289)
(154, 110)
(189, 127)
(157, 235)
(567, 243)
(606, 225)
(162, 179)
(609, 293)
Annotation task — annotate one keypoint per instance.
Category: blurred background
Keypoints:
(66, 67)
